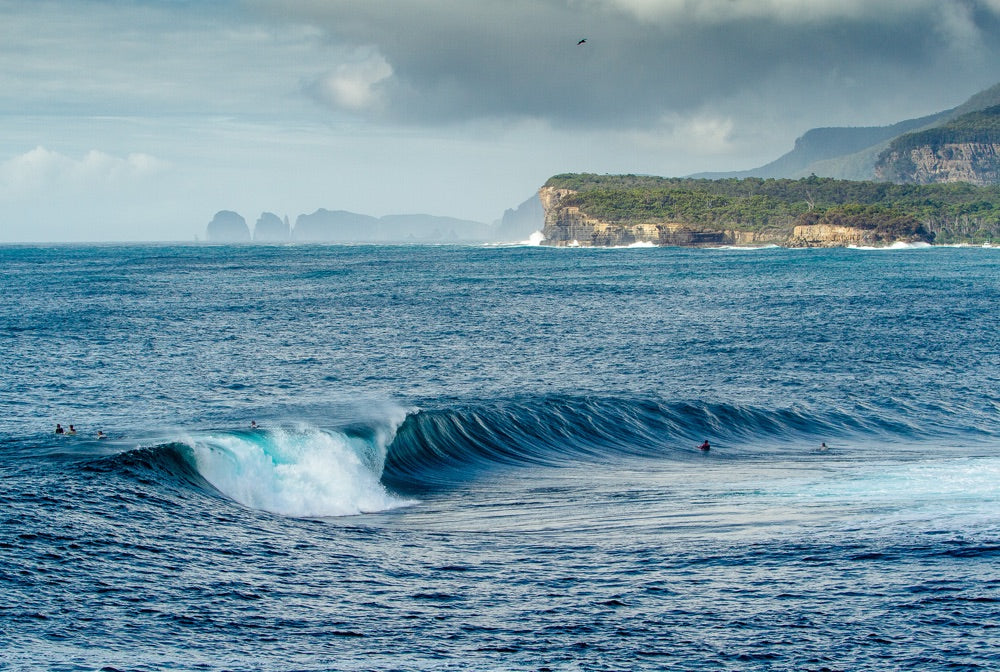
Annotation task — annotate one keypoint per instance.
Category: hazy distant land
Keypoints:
(341, 226)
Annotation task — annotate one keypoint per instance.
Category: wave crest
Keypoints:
(299, 472)
(435, 447)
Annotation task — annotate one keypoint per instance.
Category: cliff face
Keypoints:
(567, 225)
(825, 235)
(974, 162)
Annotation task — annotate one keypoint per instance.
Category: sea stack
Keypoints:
(271, 229)
(228, 227)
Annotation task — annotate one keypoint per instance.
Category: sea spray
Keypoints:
(300, 472)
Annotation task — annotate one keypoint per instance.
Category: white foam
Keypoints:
(747, 248)
(894, 246)
(299, 472)
(535, 239)
(957, 488)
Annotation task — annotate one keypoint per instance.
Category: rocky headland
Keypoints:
(619, 210)
(568, 225)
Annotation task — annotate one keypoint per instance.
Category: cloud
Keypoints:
(786, 11)
(153, 58)
(442, 62)
(455, 61)
(41, 170)
(959, 28)
(353, 85)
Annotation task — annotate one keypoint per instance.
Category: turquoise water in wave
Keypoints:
(483, 458)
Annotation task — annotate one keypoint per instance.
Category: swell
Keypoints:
(436, 447)
(365, 466)
(170, 463)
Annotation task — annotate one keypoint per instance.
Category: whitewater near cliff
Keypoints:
(485, 458)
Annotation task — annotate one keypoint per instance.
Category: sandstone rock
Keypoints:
(976, 163)
(569, 226)
(825, 235)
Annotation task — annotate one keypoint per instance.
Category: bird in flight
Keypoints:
(581, 41)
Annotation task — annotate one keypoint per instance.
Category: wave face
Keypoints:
(374, 465)
(438, 447)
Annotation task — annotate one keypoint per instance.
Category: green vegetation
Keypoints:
(890, 223)
(952, 213)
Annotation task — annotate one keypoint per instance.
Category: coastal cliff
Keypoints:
(965, 149)
(585, 210)
(827, 235)
(973, 162)
(568, 225)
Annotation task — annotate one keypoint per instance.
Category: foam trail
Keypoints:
(955, 481)
(300, 472)
(898, 245)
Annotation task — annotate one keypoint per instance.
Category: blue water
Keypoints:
(483, 458)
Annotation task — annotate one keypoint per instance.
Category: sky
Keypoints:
(137, 120)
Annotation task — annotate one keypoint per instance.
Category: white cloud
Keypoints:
(701, 134)
(958, 28)
(353, 85)
(41, 170)
(710, 135)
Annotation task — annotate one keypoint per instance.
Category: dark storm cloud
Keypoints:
(444, 60)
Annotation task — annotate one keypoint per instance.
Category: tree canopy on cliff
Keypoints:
(953, 212)
(982, 126)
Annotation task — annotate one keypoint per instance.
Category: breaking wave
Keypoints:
(306, 471)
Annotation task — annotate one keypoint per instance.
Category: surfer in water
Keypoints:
(705, 447)
(59, 429)
(71, 430)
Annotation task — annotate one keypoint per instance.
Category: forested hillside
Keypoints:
(951, 213)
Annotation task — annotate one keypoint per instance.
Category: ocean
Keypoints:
(485, 458)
